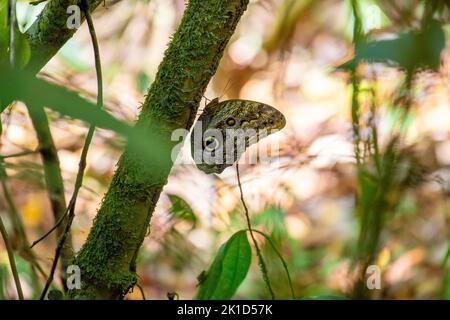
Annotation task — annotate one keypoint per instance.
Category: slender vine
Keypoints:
(262, 264)
(283, 262)
(53, 177)
(70, 211)
(358, 37)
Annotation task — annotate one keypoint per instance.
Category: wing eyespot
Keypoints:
(210, 143)
(230, 121)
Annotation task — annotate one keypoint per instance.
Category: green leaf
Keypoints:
(18, 85)
(22, 49)
(149, 146)
(409, 51)
(228, 269)
(180, 209)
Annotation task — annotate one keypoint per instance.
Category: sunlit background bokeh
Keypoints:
(284, 53)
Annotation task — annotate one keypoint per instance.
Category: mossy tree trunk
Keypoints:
(50, 32)
(107, 259)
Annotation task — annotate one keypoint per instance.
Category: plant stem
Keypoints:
(262, 264)
(278, 253)
(53, 178)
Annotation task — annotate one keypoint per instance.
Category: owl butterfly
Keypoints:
(226, 129)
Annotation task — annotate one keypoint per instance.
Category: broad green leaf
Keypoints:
(18, 85)
(149, 147)
(409, 51)
(180, 209)
(22, 51)
(228, 269)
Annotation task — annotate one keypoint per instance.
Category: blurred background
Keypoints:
(284, 53)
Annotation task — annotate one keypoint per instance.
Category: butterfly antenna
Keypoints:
(227, 88)
(200, 110)
(206, 99)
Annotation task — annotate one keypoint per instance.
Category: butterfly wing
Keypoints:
(225, 130)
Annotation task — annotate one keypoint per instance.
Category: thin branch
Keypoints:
(82, 164)
(49, 232)
(35, 3)
(262, 264)
(18, 154)
(53, 178)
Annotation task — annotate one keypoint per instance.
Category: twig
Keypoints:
(262, 264)
(35, 3)
(53, 178)
(82, 164)
(18, 154)
(45, 235)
